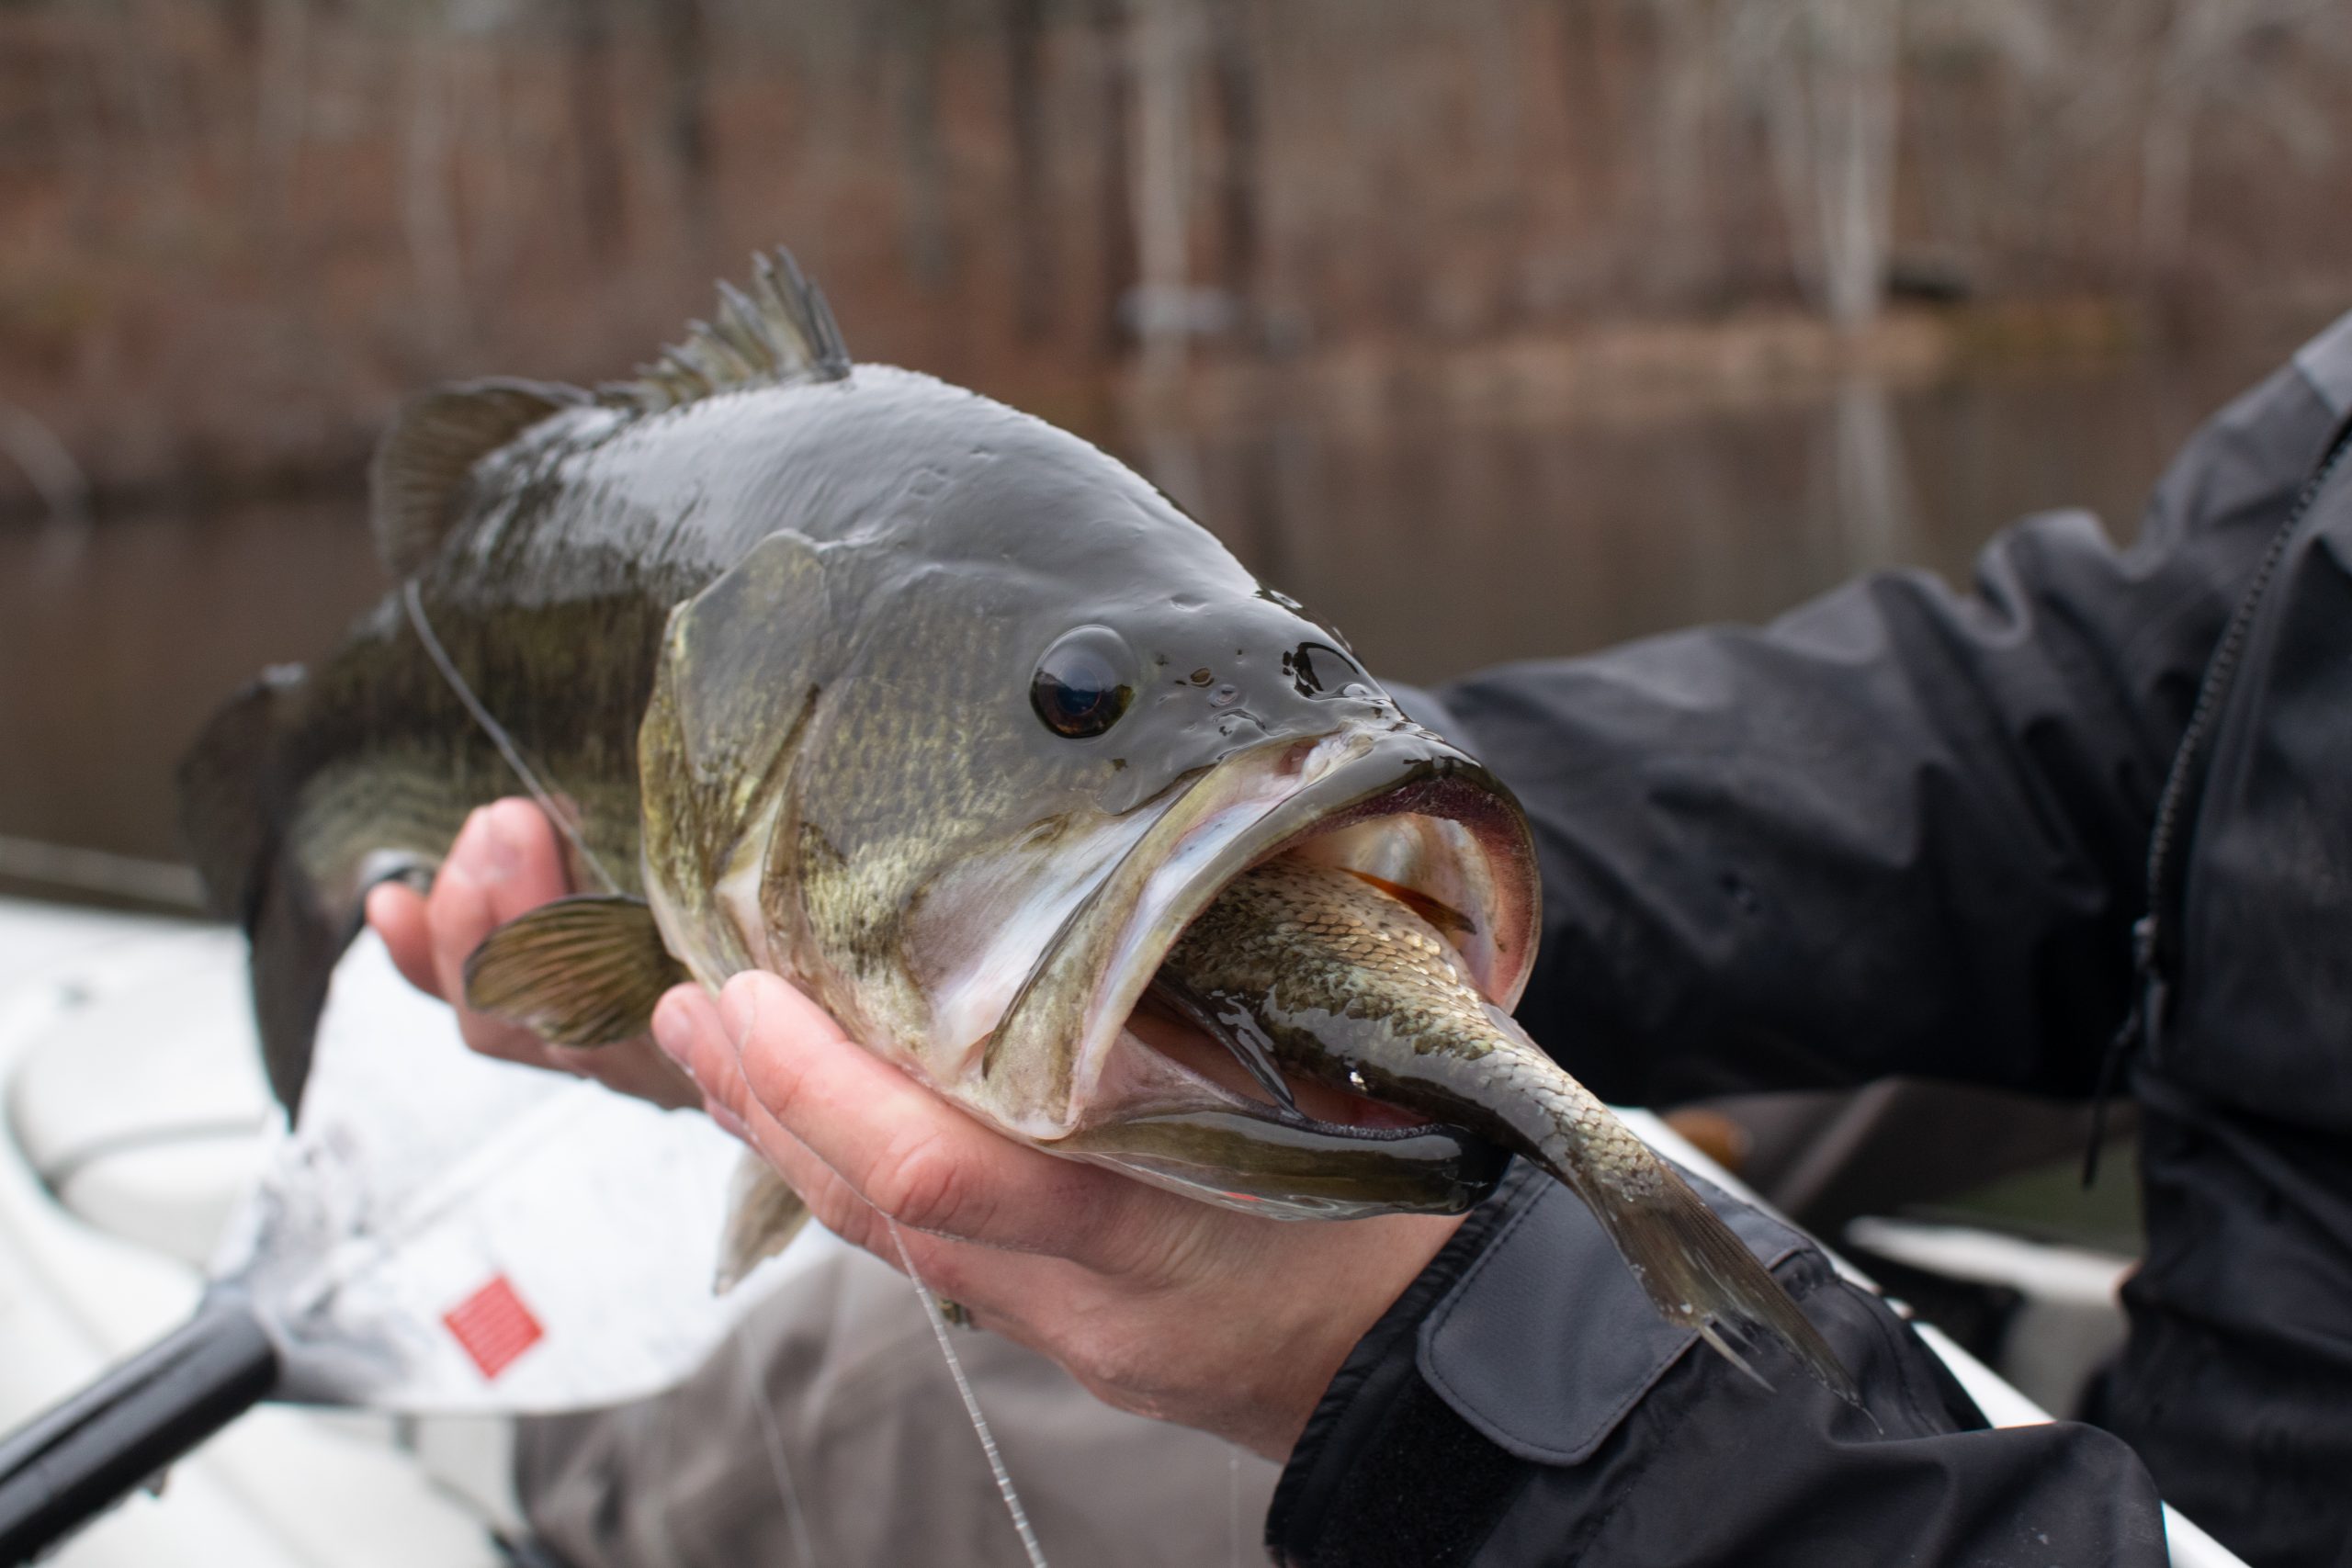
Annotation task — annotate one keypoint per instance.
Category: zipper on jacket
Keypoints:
(2155, 940)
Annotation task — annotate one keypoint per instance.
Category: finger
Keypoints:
(635, 1068)
(912, 1155)
(504, 862)
(397, 912)
(993, 1285)
(523, 864)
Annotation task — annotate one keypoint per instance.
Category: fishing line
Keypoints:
(971, 1404)
(1233, 1505)
(498, 735)
(772, 1438)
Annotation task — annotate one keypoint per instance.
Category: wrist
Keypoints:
(1375, 1264)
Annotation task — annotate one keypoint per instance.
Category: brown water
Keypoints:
(1438, 548)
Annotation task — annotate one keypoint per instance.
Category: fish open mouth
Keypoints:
(1097, 1038)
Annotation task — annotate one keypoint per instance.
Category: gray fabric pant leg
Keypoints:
(876, 1448)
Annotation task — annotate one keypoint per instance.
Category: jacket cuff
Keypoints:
(1523, 1350)
(1378, 1404)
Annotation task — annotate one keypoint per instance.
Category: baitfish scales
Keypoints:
(1338, 978)
(955, 722)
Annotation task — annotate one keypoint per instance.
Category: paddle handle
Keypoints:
(78, 1458)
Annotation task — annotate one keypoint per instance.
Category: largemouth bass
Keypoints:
(960, 726)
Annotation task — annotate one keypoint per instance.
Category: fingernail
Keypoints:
(504, 850)
(673, 1031)
(739, 1008)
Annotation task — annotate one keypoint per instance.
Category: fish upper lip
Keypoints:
(1177, 869)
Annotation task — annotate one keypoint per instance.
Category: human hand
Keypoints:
(506, 862)
(1158, 1305)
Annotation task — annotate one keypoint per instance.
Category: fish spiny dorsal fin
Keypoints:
(433, 445)
(781, 331)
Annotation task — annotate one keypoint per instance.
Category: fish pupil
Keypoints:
(1084, 682)
(1315, 667)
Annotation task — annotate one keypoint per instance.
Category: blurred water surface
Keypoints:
(1437, 545)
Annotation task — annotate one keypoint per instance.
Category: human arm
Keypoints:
(1517, 1401)
(1901, 829)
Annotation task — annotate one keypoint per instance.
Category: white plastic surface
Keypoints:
(421, 1175)
(2068, 1319)
(141, 1108)
(280, 1488)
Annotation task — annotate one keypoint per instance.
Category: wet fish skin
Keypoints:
(769, 629)
(1350, 987)
(772, 628)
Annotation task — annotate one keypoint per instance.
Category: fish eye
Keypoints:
(1084, 682)
(1316, 668)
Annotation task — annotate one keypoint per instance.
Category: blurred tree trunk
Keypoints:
(1854, 113)
(926, 187)
(429, 219)
(1113, 208)
(1681, 256)
(595, 102)
(281, 107)
(1162, 38)
(1032, 237)
(82, 154)
(685, 58)
(497, 201)
(1594, 67)
(1828, 75)
(1234, 72)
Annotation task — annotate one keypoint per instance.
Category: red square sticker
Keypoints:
(494, 1326)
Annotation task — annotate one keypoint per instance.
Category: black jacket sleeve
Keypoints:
(1521, 1405)
(1901, 829)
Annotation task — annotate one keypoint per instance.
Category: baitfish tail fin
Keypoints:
(1698, 1274)
(763, 1213)
(580, 971)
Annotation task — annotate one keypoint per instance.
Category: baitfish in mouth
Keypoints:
(1328, 975)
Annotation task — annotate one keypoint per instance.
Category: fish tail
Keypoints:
(231, 793)
(1698, 1274)
(242, 796)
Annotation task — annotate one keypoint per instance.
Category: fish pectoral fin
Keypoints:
(763, 1213)
(581, 971)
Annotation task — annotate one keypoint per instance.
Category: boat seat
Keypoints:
(143, 1103)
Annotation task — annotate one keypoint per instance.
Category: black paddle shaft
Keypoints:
(75, 1459)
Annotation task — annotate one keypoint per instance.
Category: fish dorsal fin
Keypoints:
(781, 331)
(433, 446)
